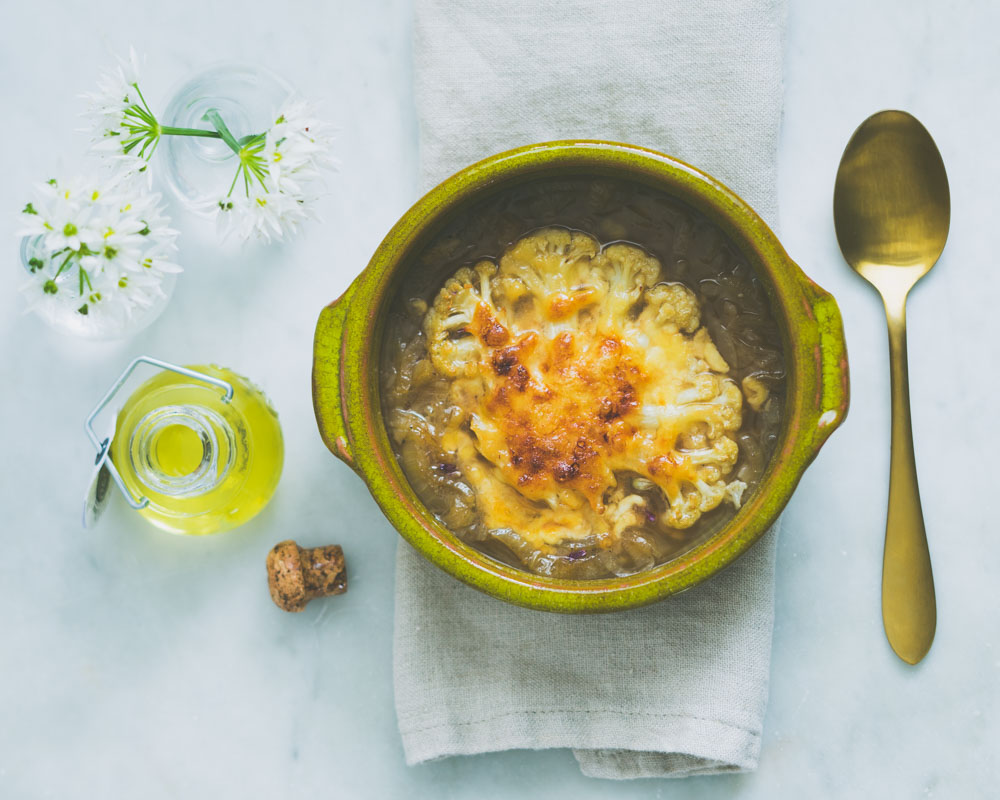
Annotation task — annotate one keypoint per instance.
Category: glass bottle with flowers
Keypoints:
(263, 182)
(99, 248)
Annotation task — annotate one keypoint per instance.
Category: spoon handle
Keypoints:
(908, 604)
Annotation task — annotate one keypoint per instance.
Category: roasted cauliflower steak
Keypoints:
(578, 375)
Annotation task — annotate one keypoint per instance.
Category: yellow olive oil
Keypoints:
(179, 450)
(205, 465)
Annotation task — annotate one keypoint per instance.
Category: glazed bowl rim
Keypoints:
(816, 401)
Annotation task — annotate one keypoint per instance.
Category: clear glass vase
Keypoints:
(98, 325)
(248, 98)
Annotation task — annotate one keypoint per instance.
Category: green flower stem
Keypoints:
(64, 263)
(169, 131)
(85, 276)
(252, 138)
(213, 116)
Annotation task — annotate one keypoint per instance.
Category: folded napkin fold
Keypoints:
(678, 688)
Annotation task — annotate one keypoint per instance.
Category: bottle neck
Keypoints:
(182, 450)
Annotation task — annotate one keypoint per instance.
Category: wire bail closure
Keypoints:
(103, 460)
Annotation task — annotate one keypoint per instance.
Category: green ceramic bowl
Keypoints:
(349, 339)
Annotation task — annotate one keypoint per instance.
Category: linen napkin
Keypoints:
(678, 688)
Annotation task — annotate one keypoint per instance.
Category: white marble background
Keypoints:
(136, 664)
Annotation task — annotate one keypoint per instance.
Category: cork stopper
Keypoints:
(296, 574)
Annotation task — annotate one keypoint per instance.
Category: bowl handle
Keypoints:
(328, 354)
(829, 405)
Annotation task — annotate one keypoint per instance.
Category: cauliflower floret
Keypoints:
(565, 272)
(734, 492)
(755, 392)
(453, 347)
(628, 512)
(628, 272)
(704, 387)
(723, 452)
(695, 437)
(554, 265)
(704, 414)
(687, 504)
(710, 495)
(671, 304)
(729, 407)
(683, 509)
(705, 348)
(721, 412)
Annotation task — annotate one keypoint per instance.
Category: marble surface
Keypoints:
(137, 664)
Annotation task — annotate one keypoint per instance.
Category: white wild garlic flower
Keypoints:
(279, 176)
(122, 126)
(99, 245)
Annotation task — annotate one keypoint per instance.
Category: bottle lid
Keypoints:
(100, 482)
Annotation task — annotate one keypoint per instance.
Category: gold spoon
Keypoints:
(891, 209)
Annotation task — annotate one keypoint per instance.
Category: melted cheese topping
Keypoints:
(563, 386)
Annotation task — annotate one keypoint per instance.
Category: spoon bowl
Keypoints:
(891, 203)
(892, 211)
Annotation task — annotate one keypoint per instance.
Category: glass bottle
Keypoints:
(65, 319)
(205, 465)
(249, 98)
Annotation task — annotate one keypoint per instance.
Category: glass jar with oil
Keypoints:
(204, 464)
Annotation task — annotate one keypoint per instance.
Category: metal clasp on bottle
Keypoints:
(104, 466)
